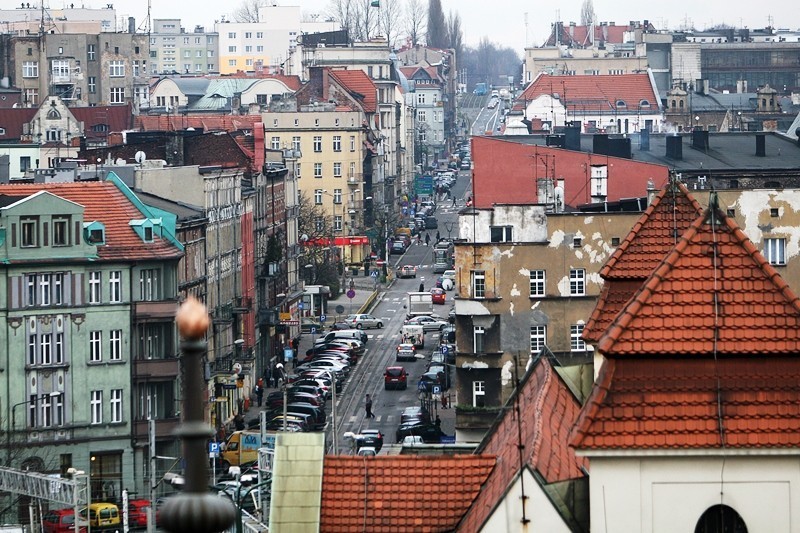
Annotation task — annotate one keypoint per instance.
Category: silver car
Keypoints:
(363, 321)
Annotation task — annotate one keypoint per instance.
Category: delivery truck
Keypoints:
(413, 334)
(419, 303)
(241, 447)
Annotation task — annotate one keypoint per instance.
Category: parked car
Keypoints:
(429, 432)
(60, 521)
(407, 271)
(406, 352)
(443, 372)
(101, 515)
(430, 380)
(367, 451)
(363, 321)
(427, 322)
(137, 513)
(308, 323)
(437, 296)
(371, 438)
(395, 377)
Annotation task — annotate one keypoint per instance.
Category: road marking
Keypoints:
(352, 419)
(378, 419)
(379, 336)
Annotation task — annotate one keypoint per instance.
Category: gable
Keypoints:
(714, 294)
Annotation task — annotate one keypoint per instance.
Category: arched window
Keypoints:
(621, 103)
(644, 103)
(673, 104)
(53, 114)
(720, 519)
(681, 104)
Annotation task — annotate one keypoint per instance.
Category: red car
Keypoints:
(60, 521)
(395, 377)
(438, 296)
(137, 513)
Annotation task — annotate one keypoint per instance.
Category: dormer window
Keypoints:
(60, 231)
(645, 103)
(148, 234)
(621, 103)
(147, 228)
(30, 232)
(94, 233)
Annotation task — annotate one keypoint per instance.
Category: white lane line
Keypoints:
(352, 419)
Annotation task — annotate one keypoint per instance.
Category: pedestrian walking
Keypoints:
(275, 376)
(422, 286)
(427, 239)
(444, 402)
(438, 237)
(454, 201)
(260, 394)
(368, 407)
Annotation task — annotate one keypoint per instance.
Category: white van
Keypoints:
(353, 334)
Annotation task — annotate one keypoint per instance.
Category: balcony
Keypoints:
(164, 428)
(354, 180)
(242, 305)
(144, 369)
(155, 309)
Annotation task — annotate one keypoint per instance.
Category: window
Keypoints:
(478, 284)
(59, 349)
(576, 343)
(94, 287)
(117, 95)
(421, 116)
(774, 212)
(60, 231)
(500, 233)
(46, 410)
(337, 196)
(95, 346)
(46, 347)
(44, 289)
(297, 170)
(92, 82)
(116, 69)
(577, 282)
(319, 223)
(231, 62)
(232, 35)
(116, 405)
(352, 173)
(232, 49)
(538, 338)
(30, 69)
(318, 196)
(148, 285)
(96, 406)
(537, 283)
(30, 232)
(775, 250)
(115, 345)
(614, 241)
(421, 98)
(275, 143)
(60, 70)
(58, 288)
(478, 337)
(115, 286)
(478, 394)
(577, 242)
(317, 170)
(32, 96)
(337, 143)
(317, 143)
(30, 284)
(59, 402)
(31, 349)
(296, 144)
(337, 170)
(337, 223)
(90, 52)
(352, 143)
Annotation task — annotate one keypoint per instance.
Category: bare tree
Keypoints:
(343, 12)
(587, 13)
(367, 20)
(390, 21)
(416, 21)
(247, 11)
(316, 236)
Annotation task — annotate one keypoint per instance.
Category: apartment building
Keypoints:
(173, 50)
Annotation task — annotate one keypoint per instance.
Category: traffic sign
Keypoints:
(351, 293)
(322, 318)
(313, 330)
(374, 274)
(437, 389)
(340, 309)
(213, 449)
(444, 349)
(300, 305)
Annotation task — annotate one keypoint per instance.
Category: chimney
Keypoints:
(674, 147)
(600, 143)
(259, 145)
(700, 140)
(761, 145)
(572, 138)
(131, 25)
(644, 140)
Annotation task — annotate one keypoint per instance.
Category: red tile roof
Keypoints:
(11, 121)
(400, 492)
(205, 121)
(657, 404)
(713, 293)
(116, 117)
(652, 236)
(595, 93)
(103, 201)
(548, 410)
(360, 86)
(579, 35)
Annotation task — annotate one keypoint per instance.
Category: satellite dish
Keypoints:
(140, 157)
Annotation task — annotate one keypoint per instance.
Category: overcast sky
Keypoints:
(503, 21)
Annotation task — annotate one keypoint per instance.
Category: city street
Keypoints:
(367, 378)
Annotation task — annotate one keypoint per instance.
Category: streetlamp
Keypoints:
(333, 410)
(341, 229)
(13, 427)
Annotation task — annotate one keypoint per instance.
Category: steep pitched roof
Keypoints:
(650, 239)
(116, 117)
(714, 293)
(201, 120)
(11, 121)
(103, 201)
(360, 85)
(596, 93)
(657, 404)
(548, 410)
(396, 493)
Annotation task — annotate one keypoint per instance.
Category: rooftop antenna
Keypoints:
(526, 29)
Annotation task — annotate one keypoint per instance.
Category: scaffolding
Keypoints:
(72, 492)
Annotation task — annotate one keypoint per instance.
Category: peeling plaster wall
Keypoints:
(529, 223)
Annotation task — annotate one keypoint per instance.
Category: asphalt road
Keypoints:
(367, 377)
(488, 119)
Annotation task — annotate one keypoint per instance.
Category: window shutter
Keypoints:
(45, 227)
(77, 233)
(13, 235)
